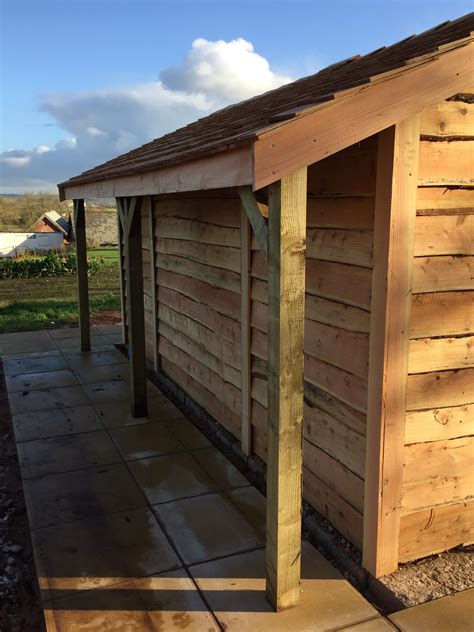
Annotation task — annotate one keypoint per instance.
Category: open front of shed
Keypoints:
(300, 265)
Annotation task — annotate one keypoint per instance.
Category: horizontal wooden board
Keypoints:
(221, 212)
(443, 273)
(205, 398)
(342, 246)
(448, 118)
(439, 354)
(439, 424)
(444, 199)
(209, 254)
(229, 395)
(335, 438)
(444, 235)
(440, 389)
(198, 351)
(216, 277)
(220, 299)
(347, 520)
(201, 231)
(435, 530)
(347, 284)
(321, 310)
(442, 314)
(317, 397)
(219, 346)
(437, 473)
(222, 325)
(347, 213)
(334, 474)
(448, 163)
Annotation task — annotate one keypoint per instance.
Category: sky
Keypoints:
(85, 80)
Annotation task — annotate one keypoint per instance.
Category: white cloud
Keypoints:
(101, 124)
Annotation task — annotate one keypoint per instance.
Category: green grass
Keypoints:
(52, 302)
(110, 254)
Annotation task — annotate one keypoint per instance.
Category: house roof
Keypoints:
(245, 122)
(57, 220)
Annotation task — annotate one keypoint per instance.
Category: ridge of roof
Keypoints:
(238, 124)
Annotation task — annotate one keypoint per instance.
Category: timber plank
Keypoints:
(345, 213)
(444, 199)
(443, 273)
(440, 389)
(444, 235)
(221, 212)
(442, 314)
(439, 424)
(200, 231)
(208, 254)
(435, 530)
(348, 284)
(341, 246)
(448, 118)
(214, 276)
(447, 474)
(439, 354)
(446, 163)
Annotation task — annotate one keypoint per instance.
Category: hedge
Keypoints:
(51, 265)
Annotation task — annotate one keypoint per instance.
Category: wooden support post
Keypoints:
(245, 301)
(82, 279)
(122, 281)
(154, 304)
(286, 298)
(130, 216)
(395, 213)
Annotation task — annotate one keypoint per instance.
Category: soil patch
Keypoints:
(20, 604)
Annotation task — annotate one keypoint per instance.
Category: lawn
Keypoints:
(43, 303)
(111, 254)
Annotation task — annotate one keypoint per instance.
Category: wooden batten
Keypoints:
(82, 278)
(149, 206)
(245, 305)
(395, 212)
(286, 295)
(129, 210)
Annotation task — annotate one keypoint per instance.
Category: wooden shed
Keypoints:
(300, 264)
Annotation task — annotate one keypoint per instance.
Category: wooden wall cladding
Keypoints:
(438, 474)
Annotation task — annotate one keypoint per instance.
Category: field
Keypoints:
(48, 303)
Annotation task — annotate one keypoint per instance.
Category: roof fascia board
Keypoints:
(231, 168)
(306, 139)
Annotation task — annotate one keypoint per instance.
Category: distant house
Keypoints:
(53, 222)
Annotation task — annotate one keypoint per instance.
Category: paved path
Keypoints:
(141, 524)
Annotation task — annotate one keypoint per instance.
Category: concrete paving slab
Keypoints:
(234, 587)
(114, 390)
(453, 612)
(54, 423)
(115, 339)
(90, 493)
(47, 399)
(108, 330)
(169, 602)
(145, 440)
(39, 381)
(99, 552)
(74, 343)
(64, 454)
(92, 374)
(24, 355)
(378, 624)
(117, 414)
(188, 434)
(27, 346)
(251, 504)
(206, 527)
(20, 336)
(220, 469)
(66, 332)
(171, 477)
(79, 360)
(34, 365)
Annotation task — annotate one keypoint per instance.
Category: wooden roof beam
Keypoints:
(304, 140)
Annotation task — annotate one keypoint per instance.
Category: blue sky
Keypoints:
(66, 61)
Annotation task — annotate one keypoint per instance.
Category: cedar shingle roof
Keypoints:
(238, 124)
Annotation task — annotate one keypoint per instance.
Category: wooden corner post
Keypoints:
(245, 355)
(395, 214)
(79, 220)
(129, 210)
(286, 297)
